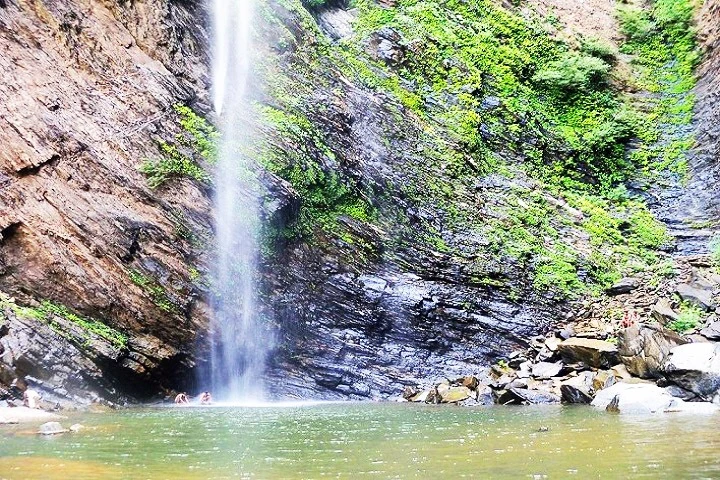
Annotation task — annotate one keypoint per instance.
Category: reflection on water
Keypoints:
(366, 441)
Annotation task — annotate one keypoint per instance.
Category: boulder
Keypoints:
(470, 382)
(633, 398)
(698, 296)
(546, 369)
(552, 343)
(678, 392)
(454, 394)
(663, 312)
(51, 428)
(644, 348)
(712, 331)
(626, 285)
(603, 379)
(525, 370)
(524, 396)
(621, 372)
(577, 389)
(695, 367)
(76, 427)
(591, 352)
(419, 397)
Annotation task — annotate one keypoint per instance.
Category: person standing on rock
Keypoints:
(31, 398)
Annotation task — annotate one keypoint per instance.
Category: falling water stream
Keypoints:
(240, 346)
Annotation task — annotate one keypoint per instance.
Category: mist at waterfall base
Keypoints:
(240, 343)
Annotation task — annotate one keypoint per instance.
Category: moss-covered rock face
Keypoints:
(463, 171)
(440, 180)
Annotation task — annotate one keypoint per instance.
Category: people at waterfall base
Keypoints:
(181, 399)
(31, 398)
(205, 398)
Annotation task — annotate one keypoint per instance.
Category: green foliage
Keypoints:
(47, 310)
(666, 54)
(714, 247)
(173, 164)
(552, 106)
(325, 196)
(199, 134)
(314, 4)
(635, 23)
(573, 72)
(156, 292)
(199, 138)
(689, 318)
(599, 49)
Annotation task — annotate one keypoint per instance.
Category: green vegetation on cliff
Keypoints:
(188, 155)
(487, 85)
(48, 312)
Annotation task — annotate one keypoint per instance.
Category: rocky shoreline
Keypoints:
(648, 346)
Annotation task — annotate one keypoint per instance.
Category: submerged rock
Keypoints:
(591, 352)
(51, 428)
(524, 396)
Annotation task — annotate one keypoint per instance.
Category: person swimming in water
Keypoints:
(181, 398)
(205, 398)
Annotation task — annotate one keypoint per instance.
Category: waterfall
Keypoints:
(239, 342)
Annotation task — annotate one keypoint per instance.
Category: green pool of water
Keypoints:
(358, 441)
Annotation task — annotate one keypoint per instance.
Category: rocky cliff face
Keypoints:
(87, 90)
(392, 253)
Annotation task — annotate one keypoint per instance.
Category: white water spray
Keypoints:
(240, 343)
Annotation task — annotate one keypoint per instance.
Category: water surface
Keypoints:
(363, 441)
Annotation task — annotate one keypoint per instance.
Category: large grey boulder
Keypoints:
(695, 367)
(644, 348)
(591, 352)
(663, 312)
(633, 398)
(712, 331)
(51, 428)
(546, 369)
(578, 389)
(647, 398)
(700, 297)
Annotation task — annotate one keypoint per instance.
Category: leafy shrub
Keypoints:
(635, 23)
(715, 251)
(689, 318)
(599, 49)
(173, 164)
(573, 73)
(674, 17)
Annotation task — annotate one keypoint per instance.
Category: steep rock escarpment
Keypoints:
(690, 206)
(87, 90)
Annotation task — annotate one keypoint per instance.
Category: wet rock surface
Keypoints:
(354, 319)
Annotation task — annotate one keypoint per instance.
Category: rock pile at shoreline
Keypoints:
(627, 361)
